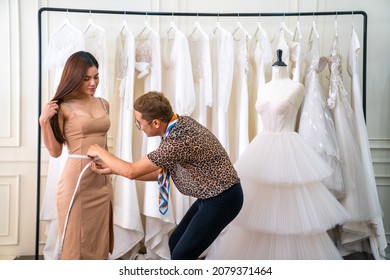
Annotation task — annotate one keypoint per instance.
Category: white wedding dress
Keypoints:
(222, 61)
(316, 124)
(200, 52)
(239, 102)
(148, 77)
(259, 55)
(365, 231)
(128, 229)
(287, 210)
(178, 86)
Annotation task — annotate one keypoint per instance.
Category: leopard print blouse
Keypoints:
(198, 164)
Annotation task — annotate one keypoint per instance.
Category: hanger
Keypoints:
(239, 27)
(124, 23)
(217, 25)
(335, 26)
(91, 23)
(284, 27)
(259, 28)
(172, 25)
(197, 27)
(124, 27)
(314, 30)
(146, 27)
(66, 23)
(298, 33)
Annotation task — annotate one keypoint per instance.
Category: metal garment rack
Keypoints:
(171, 14)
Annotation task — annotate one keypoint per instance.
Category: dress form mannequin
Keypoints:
(287, 210)
(281, 86)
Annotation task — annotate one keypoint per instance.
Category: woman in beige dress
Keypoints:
(77, 119)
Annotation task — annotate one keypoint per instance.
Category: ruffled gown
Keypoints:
(287, 210)
(316, 125)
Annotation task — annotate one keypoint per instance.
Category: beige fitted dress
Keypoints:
(89, 231)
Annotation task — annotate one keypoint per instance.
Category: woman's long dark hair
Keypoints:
(72, 78)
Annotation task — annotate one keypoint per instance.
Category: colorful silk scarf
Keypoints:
(163, 176)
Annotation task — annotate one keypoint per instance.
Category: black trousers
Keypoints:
(203, 222)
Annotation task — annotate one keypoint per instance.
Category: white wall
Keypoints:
(19, 83)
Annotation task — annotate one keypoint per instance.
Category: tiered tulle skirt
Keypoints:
(287, 209)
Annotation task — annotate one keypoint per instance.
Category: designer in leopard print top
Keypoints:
(199, 165)
(193, 158)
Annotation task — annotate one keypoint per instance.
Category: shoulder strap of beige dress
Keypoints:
(104, 105)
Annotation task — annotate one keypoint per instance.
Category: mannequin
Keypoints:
(281, 86)
(287, 209)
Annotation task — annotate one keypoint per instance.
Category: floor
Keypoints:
(355, 256)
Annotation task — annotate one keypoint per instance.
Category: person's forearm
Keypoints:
(143, 169)
(152, 176)
(51, 143)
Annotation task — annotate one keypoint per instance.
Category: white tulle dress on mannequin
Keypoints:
(287, 210)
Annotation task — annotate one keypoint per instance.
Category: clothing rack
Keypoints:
(171, 14)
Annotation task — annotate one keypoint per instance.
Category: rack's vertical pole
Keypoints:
(364, 63)
(38, 206)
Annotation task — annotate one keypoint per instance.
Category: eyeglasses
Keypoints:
(138, 124)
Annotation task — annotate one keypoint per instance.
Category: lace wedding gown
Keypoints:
(316, 124)
(199, 44)
(361, 198)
